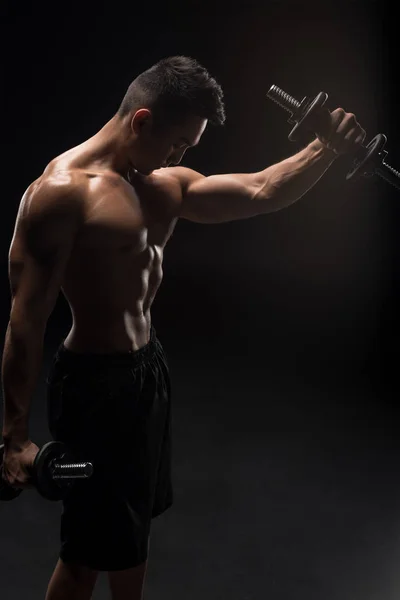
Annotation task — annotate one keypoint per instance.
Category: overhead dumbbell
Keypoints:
(368, 161)
(52, 473)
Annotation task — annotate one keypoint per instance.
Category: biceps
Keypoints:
(221, 198)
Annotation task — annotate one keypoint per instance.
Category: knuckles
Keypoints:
(340, 112)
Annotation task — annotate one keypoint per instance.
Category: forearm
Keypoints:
(286, 182)
(21, 364)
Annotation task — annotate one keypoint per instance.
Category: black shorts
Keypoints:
(113, 410)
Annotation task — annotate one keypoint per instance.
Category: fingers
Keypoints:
(346, 134)
(355, 137)
(360, 139)
(346, 123)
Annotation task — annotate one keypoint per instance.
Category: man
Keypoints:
(95, 225)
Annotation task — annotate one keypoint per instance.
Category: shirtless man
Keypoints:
(95, 225)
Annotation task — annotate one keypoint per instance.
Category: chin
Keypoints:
(145, 172)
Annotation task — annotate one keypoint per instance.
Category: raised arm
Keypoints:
(229, 197)
(48, 220)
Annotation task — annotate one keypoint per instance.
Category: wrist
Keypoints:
(15, 438)
(319, 146)
(15, 445)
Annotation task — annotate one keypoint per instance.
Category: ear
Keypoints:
(140, 119)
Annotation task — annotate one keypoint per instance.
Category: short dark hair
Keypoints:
(174, 88)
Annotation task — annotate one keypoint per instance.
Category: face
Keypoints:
(163, 148)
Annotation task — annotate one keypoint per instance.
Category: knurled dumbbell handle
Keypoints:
(71, 470)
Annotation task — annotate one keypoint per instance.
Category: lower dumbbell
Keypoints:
(52, 474)
(368, 161)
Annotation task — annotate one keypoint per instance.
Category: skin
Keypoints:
(94, 225)
(127, 208)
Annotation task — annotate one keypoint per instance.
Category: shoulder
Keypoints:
(182, 175)
(175, 181)
(54, 195)
(51, 209)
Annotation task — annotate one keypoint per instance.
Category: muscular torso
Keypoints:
(115, 268)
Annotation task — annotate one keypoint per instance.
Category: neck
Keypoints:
(111, 147)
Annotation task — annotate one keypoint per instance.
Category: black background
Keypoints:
(300, 304)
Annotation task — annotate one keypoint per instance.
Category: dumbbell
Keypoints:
(367, 161)
(52, 474)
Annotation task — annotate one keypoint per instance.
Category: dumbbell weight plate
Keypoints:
(46, 486)
(305, 122)
(361, 166)
(7, 492)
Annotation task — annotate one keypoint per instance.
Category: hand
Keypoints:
(18, 459)
(340, 131)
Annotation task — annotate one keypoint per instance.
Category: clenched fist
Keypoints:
(340, 131)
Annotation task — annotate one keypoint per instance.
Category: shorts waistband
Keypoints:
(85, 360)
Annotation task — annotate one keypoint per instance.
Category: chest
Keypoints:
(118, 218)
